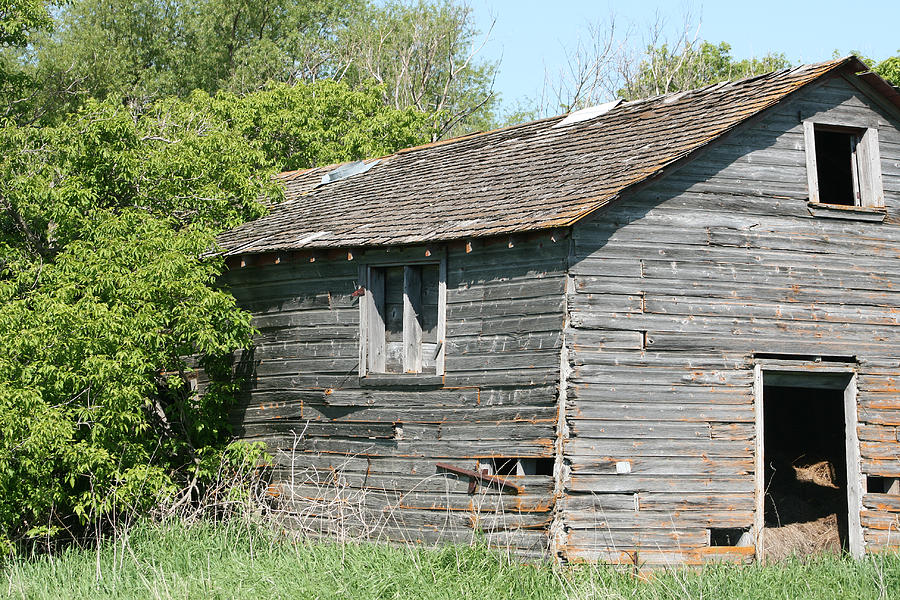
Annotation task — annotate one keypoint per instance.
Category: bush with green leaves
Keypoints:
(889, 69)
(107, 302)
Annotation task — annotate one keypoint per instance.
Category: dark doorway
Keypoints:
(805, 471)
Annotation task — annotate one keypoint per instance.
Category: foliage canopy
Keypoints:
(889, 69)
(422, 54)
(106, 302)
(19, 18)
(691, 66)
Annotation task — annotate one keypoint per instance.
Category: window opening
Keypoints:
(730, 536)
(403, 318)
(883, 485)
(843, 165)
(805, 471)
(837, 167)
(512, 465)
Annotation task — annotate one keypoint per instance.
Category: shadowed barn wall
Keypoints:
(360, 458)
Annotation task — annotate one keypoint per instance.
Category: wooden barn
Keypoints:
(651, 332)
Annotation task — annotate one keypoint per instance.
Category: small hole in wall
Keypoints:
(513, 465)
(729, 536)
(883, 485)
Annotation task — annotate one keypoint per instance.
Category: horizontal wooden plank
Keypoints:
(674, 466)
(469, 449)
(643, 520)
(652, 375)
(626, 449)
(882, 467)
(668, 556)
(657, 501)
(608, 539)
(649, 412)
(660, 483)
(880, 521)
(660, 393)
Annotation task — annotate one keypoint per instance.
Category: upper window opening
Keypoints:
(837, 167)
(402, 328)
(843, 165)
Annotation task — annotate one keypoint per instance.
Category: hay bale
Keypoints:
(802, 539)
(820, 473)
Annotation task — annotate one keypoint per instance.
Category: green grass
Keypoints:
(240, 561)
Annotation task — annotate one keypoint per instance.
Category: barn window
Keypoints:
(843, 166)
(403, 321)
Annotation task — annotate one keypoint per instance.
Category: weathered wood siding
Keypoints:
(672, 291)
(361, 460)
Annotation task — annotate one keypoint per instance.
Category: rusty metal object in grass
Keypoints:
(475, 477)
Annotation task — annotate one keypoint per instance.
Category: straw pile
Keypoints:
(802, 539)
(806, 533)
(820, 473)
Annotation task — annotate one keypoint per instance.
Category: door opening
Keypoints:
(805, 471)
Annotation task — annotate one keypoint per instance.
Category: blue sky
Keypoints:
(530, 35)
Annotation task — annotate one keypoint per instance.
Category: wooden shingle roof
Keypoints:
(521, 178)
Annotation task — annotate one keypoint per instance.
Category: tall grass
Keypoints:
(226, 545)
(237, 559)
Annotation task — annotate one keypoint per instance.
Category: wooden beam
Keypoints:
(412, 323)
(809, 144)
(442, 317)
(363, 321)
(759, 512)
(855, 486)
(869, 159)
(375, 333)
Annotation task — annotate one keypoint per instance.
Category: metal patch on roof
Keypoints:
(310, 237)
(348, 170)
(588, 113)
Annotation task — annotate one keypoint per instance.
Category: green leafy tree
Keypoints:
(299, 126)
(107, 303)
(242, 45)
(889, 69)
(19, 20)
(606, 65)
(667, 69)
(102, 295)
(143, 50)
(424, 55)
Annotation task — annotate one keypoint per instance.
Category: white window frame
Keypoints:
(372, 349)
(867, 182)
